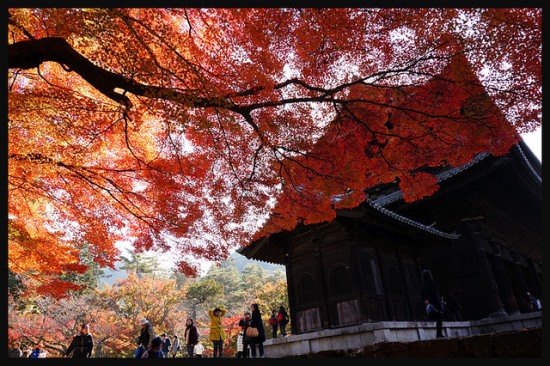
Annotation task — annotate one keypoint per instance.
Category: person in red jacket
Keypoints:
(274, 322)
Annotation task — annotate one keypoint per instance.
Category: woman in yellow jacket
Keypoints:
(217, 335)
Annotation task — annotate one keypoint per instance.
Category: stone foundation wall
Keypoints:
(522, 343)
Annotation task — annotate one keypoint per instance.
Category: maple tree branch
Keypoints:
(30, 54)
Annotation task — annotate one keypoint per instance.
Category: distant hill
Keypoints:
(241, 261)
(111, 276)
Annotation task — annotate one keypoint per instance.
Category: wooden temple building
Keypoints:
(480, 234)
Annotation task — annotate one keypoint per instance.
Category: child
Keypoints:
(240, 347)
(156, 349)
(199, 348)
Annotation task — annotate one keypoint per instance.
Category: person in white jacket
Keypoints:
(198, 350)
(175, 346)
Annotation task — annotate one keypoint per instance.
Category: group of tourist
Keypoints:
(278, 320)
(251, 338)
(16, 351)
(152, 346)
(149, 345)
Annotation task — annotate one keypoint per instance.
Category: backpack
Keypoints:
(284, 319)
(273, 320)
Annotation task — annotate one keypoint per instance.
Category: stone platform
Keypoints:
(408, 339)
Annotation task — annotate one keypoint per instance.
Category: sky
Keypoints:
(534, 141)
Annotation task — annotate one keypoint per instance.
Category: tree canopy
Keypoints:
(187, 129)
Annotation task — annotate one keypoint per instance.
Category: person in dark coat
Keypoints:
(82, 344)
(432, 300)
(191, 336)
(256, 321)
(15, 351)
(282, 319)
(147, 333)
(166, 344)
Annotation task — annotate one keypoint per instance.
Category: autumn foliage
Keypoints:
(187, 129)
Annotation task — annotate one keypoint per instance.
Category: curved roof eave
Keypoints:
(427, 228)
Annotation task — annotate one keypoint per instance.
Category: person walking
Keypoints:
(432, 301)
(166, 344)
(175, 346)
(15, 351)
(274, 323)
(82, 344)
(191, 336)
(217, 335)
(244, 323)
(282, 319)
(146, 335)
(256, 322)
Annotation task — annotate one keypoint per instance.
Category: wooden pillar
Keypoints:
(388, 309)
(503, 282)
(318, 255)
(521, 288)
(290, 290)
(538, 274)
(470, 232)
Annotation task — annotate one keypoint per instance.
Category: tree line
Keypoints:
(166, 298)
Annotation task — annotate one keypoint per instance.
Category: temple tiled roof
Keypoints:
(380, 202)
(263, 250)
